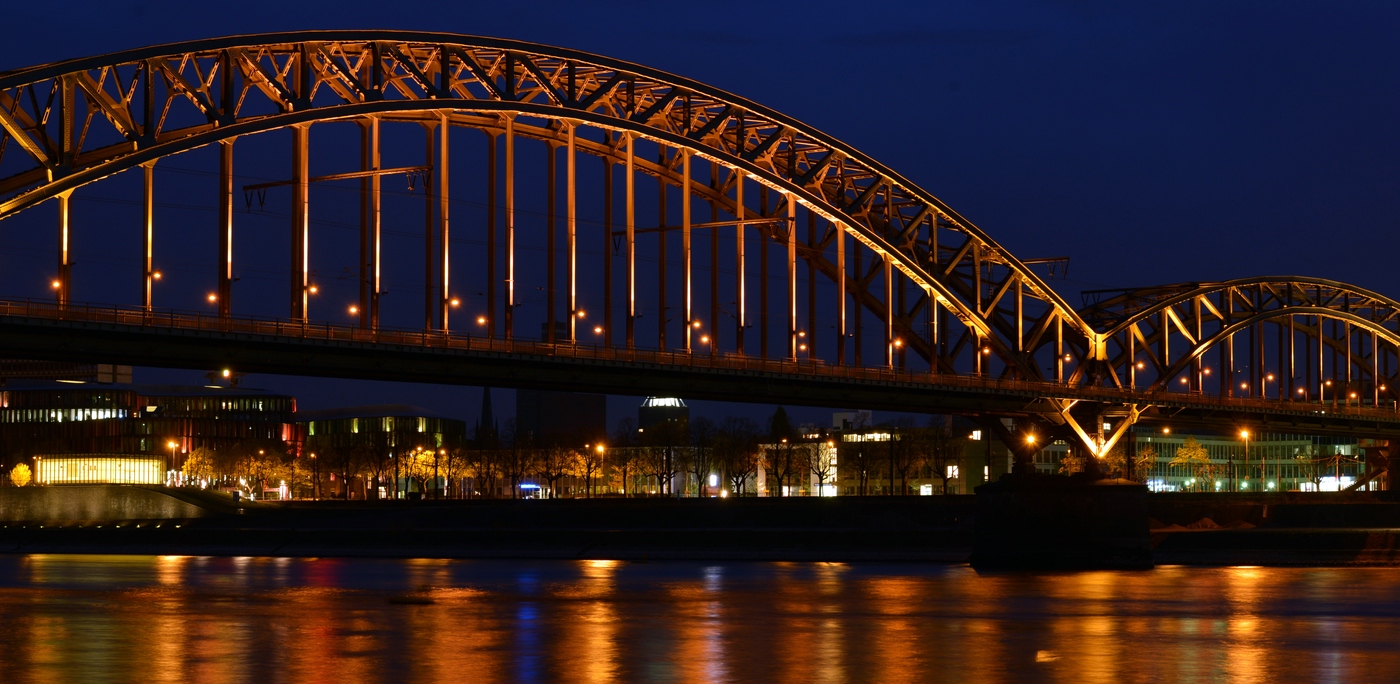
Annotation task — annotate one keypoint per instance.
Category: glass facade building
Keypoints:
(48, 421)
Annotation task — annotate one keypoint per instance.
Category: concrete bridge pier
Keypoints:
(1053, 522)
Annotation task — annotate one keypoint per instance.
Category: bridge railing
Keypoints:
(171, 319)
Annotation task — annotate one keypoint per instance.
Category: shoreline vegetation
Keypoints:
(1208, 529)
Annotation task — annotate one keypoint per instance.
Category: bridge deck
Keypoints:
(185, 339)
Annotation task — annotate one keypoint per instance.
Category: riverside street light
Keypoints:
(1244, 434)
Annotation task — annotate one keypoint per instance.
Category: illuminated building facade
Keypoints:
(660, 410)
(80, 431)
(395, 426)
(381, 434)
(98, 469)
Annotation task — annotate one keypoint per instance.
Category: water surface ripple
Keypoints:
(178, 619)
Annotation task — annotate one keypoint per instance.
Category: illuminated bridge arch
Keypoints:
(1289, 338)
(938, 285)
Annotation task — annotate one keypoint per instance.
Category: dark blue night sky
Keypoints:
(1151, 143)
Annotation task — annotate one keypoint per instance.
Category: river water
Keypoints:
(176, 619)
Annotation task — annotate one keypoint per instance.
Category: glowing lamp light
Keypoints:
(1244, 385)
(1069, 357)
(213, 297)
(1328, 383)
(454, 302)
(900, 343)
(227, 372)
(803, 333)
(1353, 395)
(481, 320)
(1183, 381)
(1301, 390)
(1269, 377)
(695, 324)
(1206, 371)
(354, 309)
(803, 347)
(156, 275)
(705, 339)
(1244, 434)
(1030, 439)
(581, 313)
(597, 330)
(1141, 365)
(55, 284)
(313, 289)
(986, 350)
(1166, 431)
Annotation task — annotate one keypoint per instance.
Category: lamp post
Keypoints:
(171, 446)
(1244, 434)
(601, 451)
(437, 492)
(315, 477)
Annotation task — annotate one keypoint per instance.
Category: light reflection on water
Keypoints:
(173, 619)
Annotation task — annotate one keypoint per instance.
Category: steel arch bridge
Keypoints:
(884, 294)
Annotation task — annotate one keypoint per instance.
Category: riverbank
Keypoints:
(1328, 529)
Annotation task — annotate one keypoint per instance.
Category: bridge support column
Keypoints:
(740, 297)
(714, 261)
(571, 225)
(301, 208)
(429, 267)
(889, 310)
(363, 308)
(607, 243)
(510, 226)
(685, 246)
(840, 293)
(375, 224)
(811, 286)
(630, 215)
(763, 241)
(224, 296)
(65, 265)
(148, 273)
(792, 275)
(491, 229)
(551, 235)
(444, 198)
(661, 252)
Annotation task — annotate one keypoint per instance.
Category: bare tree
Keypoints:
(701, 460)
(662, 440)
(857, 461)
(779, 462)
(909, 452)
(1310, 466)
(591, 462)
(821, 460)
(556, 462)
(945, 448)
(486, 471)
(736, 450)
(518, 461)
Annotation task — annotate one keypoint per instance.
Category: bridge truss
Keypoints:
(726, 176)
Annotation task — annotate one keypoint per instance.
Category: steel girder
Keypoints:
(68, 124)
(1155, 337)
